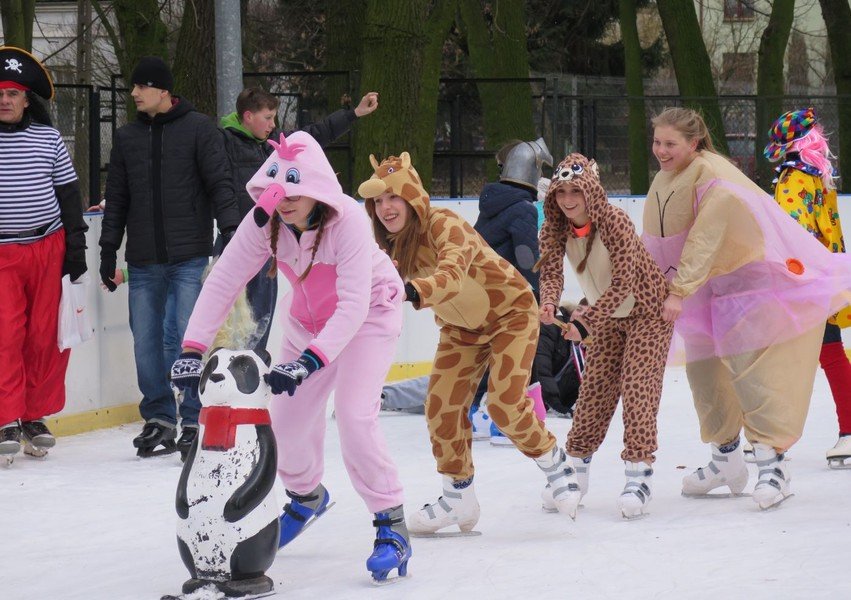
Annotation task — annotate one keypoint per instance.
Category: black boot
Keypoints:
(153, 435)
(10, 441)
(187, 438)
(37, 433)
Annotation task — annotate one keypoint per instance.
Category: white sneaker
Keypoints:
(637, 492)
(455, 507)
(725, 469)
(773, 485)
(581, 466)
(562, 482)
(840, 453)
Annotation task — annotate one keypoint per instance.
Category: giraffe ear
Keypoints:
(406, 160)
(373, 162)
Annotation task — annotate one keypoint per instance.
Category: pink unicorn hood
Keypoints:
(297, 167)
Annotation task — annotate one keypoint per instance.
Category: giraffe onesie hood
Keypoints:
(487, 316)
(625, 290)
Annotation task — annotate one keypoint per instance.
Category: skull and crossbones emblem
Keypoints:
(13, 64)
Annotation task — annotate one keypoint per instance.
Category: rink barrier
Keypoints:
(101, 379)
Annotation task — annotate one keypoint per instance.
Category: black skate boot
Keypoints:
(10, 442)
(187, 438)
(153, 435)
(37, 438)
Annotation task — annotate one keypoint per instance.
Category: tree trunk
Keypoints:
(195, 56)
(769, 81)
(81, 104)
(639, 176)
(440, 21)
(17, 16)
(393, 43)
(343, 41)
(142, 32)
(496, 40)
(691, 64)
(837, 17)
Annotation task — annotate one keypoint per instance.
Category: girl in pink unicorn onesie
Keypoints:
(341, 322)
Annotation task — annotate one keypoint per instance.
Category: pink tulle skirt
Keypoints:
(796, 287)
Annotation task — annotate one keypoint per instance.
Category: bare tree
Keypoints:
(639, 178)
(18, 16)
(837, 17)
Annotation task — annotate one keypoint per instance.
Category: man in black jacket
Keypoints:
(42, 238)
(245, 133)
(168, 176)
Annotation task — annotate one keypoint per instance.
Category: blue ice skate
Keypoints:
(392, 546)
(302, 512)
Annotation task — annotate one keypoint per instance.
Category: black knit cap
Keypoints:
(153, 72)
(21, 67)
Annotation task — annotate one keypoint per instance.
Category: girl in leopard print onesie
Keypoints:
(487, 316)
(629, 339)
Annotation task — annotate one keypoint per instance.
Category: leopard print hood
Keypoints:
(581, 171)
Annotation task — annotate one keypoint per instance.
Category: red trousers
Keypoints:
(32, 370)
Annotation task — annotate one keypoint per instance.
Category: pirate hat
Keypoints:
(24, 71)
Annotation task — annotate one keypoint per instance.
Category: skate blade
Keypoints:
(501, 444)
(716, 496)
(445, 534)
(838, 463)
(206, 594)
(34, 451)
(142, 453)
(7, 459)
(389, 580)
(776, 504)
(635, 517)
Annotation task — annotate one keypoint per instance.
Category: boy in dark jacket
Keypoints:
(245, 133)
(558, 366)
(168, 176)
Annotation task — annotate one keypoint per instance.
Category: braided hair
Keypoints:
(322, 212)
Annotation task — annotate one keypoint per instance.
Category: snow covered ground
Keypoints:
(93, 521)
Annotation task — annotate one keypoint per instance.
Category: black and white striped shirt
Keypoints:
(32, 161)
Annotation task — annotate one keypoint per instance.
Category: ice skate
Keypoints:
(302, 512)
(481, 422)
(562, 481)
(581, 466)
(37, 438)
(153, 435)
(187, 438)
(838, 456)
(747, 450)
(392, 548)
(773, 486)
(726, 469)
(457, 506)
(10, 442)
(637, 492)
(498, 438)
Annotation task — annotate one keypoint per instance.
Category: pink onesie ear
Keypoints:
(267, 202)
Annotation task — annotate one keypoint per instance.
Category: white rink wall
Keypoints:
(102, 373)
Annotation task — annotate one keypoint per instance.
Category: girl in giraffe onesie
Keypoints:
(630, 340)
(341, 321)
(487, 316)
(750, 291)
(805, 189)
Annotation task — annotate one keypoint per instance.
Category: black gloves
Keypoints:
(287, 377)
(107, 268)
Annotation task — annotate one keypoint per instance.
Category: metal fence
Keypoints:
(572, 114)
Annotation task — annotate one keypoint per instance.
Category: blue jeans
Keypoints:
(151, 286)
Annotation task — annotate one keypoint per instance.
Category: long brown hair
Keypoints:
(402, 246)
(322, 213)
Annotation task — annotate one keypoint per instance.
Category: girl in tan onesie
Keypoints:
(629, 339)
(487, 316)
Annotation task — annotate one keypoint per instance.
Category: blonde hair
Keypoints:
(689, 123)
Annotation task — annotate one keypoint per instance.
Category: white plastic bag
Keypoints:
(74, 325)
